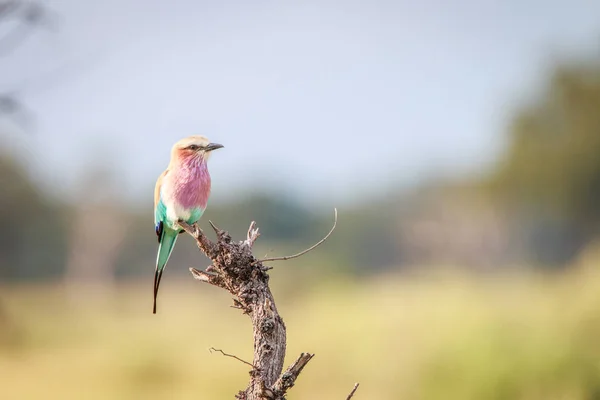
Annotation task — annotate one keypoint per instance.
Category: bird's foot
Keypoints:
(179, 222)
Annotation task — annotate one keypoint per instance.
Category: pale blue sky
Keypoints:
(329, 99)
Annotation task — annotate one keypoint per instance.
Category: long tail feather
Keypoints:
(167, 241)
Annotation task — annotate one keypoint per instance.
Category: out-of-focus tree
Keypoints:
(98, 226)
(550, 172)
(22, 18)
(32, 234)
(25, 16)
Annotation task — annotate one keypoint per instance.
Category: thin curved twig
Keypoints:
(353, 391)
(307, 250)
(212, 349)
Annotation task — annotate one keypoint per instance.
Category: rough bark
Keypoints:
(236, 270)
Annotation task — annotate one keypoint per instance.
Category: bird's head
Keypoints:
(194, 147)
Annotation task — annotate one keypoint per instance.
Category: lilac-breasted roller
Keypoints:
(181, 193)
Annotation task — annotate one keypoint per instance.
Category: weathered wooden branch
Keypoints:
(235, 269)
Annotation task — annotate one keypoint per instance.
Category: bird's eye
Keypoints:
(193, 147)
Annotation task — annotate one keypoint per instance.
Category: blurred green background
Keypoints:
(465, 262)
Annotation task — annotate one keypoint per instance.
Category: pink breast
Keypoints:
(192, 183)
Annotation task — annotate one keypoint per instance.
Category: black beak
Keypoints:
(213, 146)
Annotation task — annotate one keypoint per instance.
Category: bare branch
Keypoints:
(232, 356)
(31, 15)
(288, 378)
(307, 250)
(235, 269)
(353, 391)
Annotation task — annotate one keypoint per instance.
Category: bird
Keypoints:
(181, 194)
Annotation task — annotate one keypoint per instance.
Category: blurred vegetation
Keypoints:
(550, 173)
(435, 336)
(33, 240)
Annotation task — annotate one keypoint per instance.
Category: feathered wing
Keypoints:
(157, 188)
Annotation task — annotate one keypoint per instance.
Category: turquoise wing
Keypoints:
(195, 215)
(160, 212)
(160, 215)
